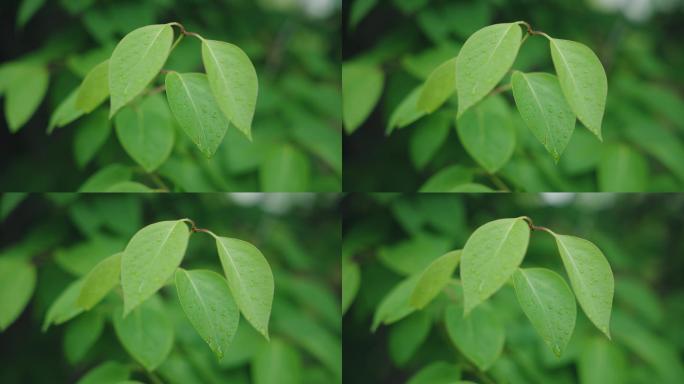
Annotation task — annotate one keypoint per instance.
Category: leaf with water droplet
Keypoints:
(549, 304)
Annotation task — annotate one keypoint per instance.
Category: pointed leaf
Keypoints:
(439, 86)
(590, 277)
(622, 169)
(24, 93)
(195, 109)
(91, 134)
(250, 280)
(406, 112)
(484, 60)
(81, 334)
(395, 305)
(361, 89)
(233, 80)
(136, 60)
(209, 305)
(17, 282)
(480, 336)
(582, 80)
(490, 257)
(407, 336)
(94, 89)
(64, 308)
(434, 278)
(427, 138)
(150, 258)
(65, 113)
(542, 106)
(99, 281)
(27, 9)
(549, 304)
(351, 279)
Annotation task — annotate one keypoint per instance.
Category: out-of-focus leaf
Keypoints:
(448, 179)
(24, 92)
(351, 280)
(27, 9)
(622, 169)
(361, 88)
(9, 201)
(17, 282)
(91, 134)
(65, 113)
(80, 258)
(412, 256)
(94, 89)
(406, 112)
(110, 372)
(359, 9)
(81, 334)
(428, 136)
(106, 177)
(438, 372)
(439, 86)
(601, 362)
(99, 281)
(64, 308)
(406, 336)
(434, 278)
(479, 336)
(285, 169)
(277, 363)
(395, 305)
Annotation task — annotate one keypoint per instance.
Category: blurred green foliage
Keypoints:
(294, 46)
(643, 124)
(60, 233)
(640, 236)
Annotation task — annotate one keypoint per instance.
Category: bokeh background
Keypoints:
(640, 235)
(294, 45)
(637, 41)
(63, 234)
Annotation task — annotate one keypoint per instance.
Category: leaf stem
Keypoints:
(194, 227)
(154, 378)
(501, 89)
(183, 31)
(535, 227)
(498, 182)
(531, 31)
(175, 43)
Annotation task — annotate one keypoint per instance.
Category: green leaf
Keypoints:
(439, 86)
(146, 334)
(359, 9)
(490, 257)
(448, 179)
(17, 282)
(9, 201)
(582, 80)
(543, 108)
(99, 281)
(395, 305)
(250, 280)
(434, 278)
(91, 134)
(151, 258)
(26, 11)
(65, 113)
(660, 143)
(362, 85)
(412, 256)
(64, 308)
(196, 110)
(438, 372)
(106, 177)
(277, 363)
(622, 169)
(111, 372)
(480, 336)
(81, 334)
(549, 304)
(94, 89)
(351, 280)
(135, 62)
(590, 277)
(285, 169)
(601, 362)
(233, 80)
(80, 258)
(487, 133)
(129, 187)
(483, 61)
(146, 133)
(406, 337)
(428, 136)
(209, 305)
(23, 94)
(406, 112)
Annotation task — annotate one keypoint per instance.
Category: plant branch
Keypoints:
(185, 32)
(535, 227)
(498, 182)
(500, 89)
(194, 228)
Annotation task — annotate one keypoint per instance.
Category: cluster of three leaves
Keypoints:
(210, 302)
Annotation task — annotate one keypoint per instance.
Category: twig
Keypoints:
(535, 227)
(498, 182)
(500, 89)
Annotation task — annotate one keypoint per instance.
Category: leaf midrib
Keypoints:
(242, 296)
(571, 261)
(222, 77)
(147, 51)
(503, 36)
(206, 310)
(541, 109)
(538, 300)
(199, 118)
(567, 66)
(163, 243)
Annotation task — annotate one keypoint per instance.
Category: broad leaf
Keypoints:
(111, 372)
(351, 279)
(439, 86)
(590, 277)
(147, 333)
(412, 256)
(146, 133)
(17, 282)
(428, 136)
(99, 281)
(438, 372)
(196, 110)
(549, 304)
(209, 305)
(406, 336)
(91, 134)
(135, 62)
(64, 307)
(250, 280)
(80, 258)
(448, 179)
(24, 93)
(285, 169)
(543, 108)
(81, 334)
(233, 80)
(65, 113)
(106, 177)
(490, 257)
(406, 112)
(361, 89)
(94, 89)
(150, 258)
(277, 363)
(487, 133)
(480, 336)
(483, 61)
(582, 80)
(622, 169)
(434, 278)
(395, 305)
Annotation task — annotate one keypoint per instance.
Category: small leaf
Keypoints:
(285, 169)
(9, 201)
(94, 89)
(395, 305)
(490, 257)
(582, 80)
(64, 308)
(99, 281)
(439, 86)
(543, 107)
(17, 282)
(65, 113)
(233, 80)
(150, 258)
(26, 11)
(209, 305)
(434, 278)
(195, 109)
(483, 61)
(622, 169)
(549, 304)
(106, 177)
(111, 372)
(80, 258)
(590, 277)
(406, 112)
(24, 93)
(250, 280)
(438, 372)
(129, 187)
(136, 60)
(81, 334)
(91, 134)
(428, 136)
(407, 336)
(480, 336)
(362, 85)
(448, 179)
(411, 256)
(147, 333)
(351, 279)
(487, 133)
(277, 363)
